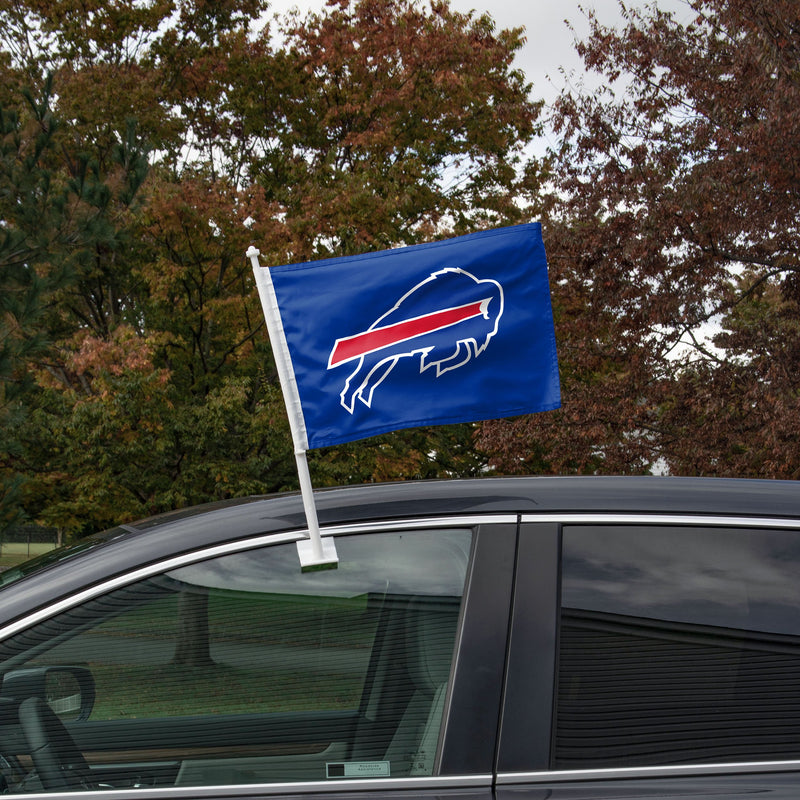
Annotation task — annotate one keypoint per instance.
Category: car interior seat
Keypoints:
(429, 639)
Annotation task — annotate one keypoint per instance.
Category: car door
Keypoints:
(653, 656)
(232, 667)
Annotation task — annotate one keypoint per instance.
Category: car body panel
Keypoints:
(500, 710)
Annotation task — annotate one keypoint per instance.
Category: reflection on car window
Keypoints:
(56, 556)
(678, 645)
(243, 669)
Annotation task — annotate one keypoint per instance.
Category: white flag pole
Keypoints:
(315, 553)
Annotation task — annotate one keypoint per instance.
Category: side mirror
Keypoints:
(68, 690)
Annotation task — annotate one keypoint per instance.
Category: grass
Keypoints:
(12, 554)
(266, 619)
(168, 690)
(255, 629)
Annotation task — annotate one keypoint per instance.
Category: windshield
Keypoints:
(56, 556)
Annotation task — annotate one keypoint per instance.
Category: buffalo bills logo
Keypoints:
(447, 320)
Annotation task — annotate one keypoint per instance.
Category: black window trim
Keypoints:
(471, 722)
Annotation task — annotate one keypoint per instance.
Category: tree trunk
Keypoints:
(193, 648)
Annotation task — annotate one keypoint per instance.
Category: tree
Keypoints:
(22, 291)
(746, 403)
(55, 231)
(375, 124)
(385, 122)
(681, 200)
(193, 642)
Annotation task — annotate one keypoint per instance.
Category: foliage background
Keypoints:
(144, 144)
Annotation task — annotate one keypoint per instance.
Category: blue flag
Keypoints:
(458, 330)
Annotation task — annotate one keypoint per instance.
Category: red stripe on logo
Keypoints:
(351, 347)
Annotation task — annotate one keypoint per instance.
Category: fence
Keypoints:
(21, 542)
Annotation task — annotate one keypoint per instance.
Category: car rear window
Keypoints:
(678, 645)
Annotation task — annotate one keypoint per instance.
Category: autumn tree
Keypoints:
(57, 232)
(23, 292)
(681, 200)
(368, 125)
(386, 122)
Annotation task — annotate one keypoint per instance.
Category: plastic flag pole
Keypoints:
(315, 553)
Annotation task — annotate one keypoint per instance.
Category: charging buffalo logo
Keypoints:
(427, 321)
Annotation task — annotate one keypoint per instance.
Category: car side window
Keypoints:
(243, 669)
(678, 645)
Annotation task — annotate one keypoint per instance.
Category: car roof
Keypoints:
(524, 494)
(157, 538)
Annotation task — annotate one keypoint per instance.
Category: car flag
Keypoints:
(457, 330)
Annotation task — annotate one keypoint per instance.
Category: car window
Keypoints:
(244, 669)
(678, 645)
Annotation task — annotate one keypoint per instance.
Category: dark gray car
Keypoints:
(510, 638)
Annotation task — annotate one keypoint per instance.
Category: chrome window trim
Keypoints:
(261, 789)
(262, 540)
(661, 518)
(673, 771)
(464, 521)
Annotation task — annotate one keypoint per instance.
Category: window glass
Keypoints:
(678, 645)
(242, 669)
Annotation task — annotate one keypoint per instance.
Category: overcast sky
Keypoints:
(549, 44)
